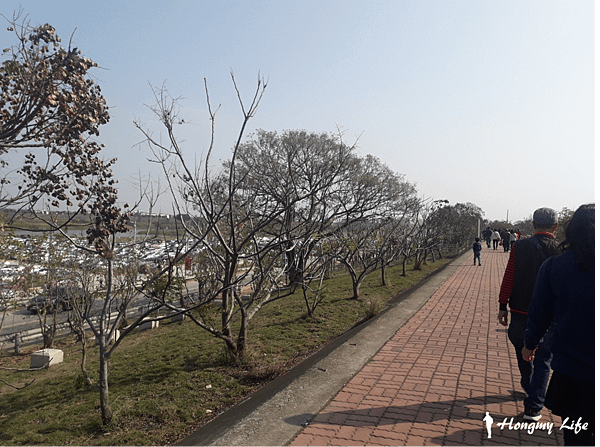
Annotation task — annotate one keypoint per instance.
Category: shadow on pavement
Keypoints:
(469, 410)
(458, 409)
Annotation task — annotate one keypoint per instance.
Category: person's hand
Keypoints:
(528, 354)
(503, 317)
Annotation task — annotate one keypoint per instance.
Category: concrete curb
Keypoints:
(277, 412)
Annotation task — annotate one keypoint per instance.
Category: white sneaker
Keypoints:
(531, 415)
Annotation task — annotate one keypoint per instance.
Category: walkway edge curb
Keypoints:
(278, 411)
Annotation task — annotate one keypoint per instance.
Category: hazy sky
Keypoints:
(489, 102)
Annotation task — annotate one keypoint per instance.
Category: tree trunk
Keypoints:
(295, 261)
(104, 398)
(418, 262)
(309, 308)
(356, 287)
(383, 281)
(227, 304)
(231, 349)
(80, 333)
(48, 335)
(241, 343)
(225, 298)
(86, 377)
(105, 409)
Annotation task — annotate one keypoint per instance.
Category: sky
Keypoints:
(488, 102)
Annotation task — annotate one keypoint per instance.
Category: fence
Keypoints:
(31, 336)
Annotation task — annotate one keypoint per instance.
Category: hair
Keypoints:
(476, 239)
(580, 235)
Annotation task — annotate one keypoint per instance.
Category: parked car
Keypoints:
(58, 298)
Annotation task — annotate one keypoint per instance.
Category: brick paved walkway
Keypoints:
(434, 381)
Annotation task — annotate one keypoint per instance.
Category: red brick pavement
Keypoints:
(434, 381)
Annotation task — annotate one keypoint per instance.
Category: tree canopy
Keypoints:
(51, 107)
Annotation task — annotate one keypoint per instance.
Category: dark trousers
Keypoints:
(496, 241)
(584, 437)
(574, 400)
(506, 244)
(536, 374)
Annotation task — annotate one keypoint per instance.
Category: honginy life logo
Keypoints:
(531, 427)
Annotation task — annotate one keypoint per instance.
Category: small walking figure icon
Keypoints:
(488, 422)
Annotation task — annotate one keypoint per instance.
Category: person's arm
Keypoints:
(541, 310)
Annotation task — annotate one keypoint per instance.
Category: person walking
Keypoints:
(487, 236)
(495, 239)
(505, 236)
(564, 293)
(513, 238)
(477, 251)
(516, 291)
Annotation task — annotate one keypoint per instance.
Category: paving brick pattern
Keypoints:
(434, 381)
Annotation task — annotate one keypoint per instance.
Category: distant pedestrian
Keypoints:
(477, 251)
(564, 293)
(495, 239)
(516, 291)
(487, 236)
(513, 238)
(505, 236)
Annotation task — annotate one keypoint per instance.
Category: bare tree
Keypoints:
(119, 286)
(363, 240)
(325, 189)
(454, 225)
(257, 221)
(82, 307)
(224, 219)
(301, 173)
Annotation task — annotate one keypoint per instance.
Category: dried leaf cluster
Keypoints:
(50, 106)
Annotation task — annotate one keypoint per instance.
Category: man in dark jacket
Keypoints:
(565, 294)
(487, 236)
(516, 291)
(505, 236)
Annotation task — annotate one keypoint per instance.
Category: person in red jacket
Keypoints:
(516, 291)
(564, 294)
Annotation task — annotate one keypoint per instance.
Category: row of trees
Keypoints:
(285, 207)
(268, 225)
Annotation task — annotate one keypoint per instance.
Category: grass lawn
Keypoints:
(166, 382)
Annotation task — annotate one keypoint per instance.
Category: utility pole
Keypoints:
(506, 216)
